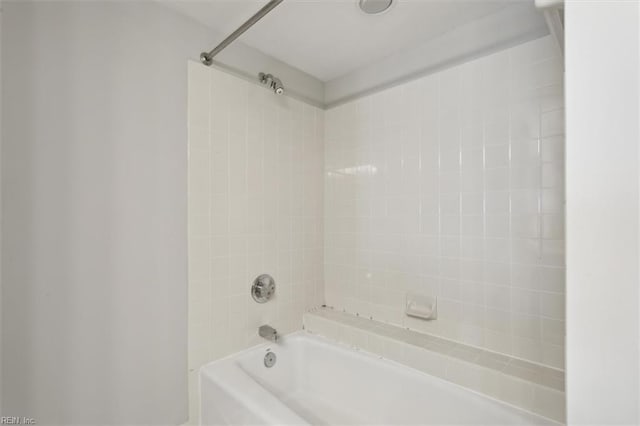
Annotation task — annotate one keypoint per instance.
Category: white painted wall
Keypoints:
(94, 180)
(94, 204)
(602, 68)
(0, 208)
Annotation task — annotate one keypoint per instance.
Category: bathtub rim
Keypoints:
(303, 335)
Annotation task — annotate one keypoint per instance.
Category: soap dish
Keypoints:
(421, 306)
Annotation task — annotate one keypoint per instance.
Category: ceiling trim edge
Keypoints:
(511, 26)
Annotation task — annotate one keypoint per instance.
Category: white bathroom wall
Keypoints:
(94, 208)
(94, 211)
(452, 185)
(255, 206)
(603, 169)
(1, 411)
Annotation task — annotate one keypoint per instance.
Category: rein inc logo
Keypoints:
(14, 420)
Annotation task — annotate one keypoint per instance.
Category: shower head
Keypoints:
(277, 86)
(273, 82)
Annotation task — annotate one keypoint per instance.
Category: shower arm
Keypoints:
(207, 57)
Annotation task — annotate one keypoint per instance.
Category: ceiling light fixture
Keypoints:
(373, 7)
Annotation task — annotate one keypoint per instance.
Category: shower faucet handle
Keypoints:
(263, 288)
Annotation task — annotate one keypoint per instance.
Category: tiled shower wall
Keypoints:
(452, 185)
(255, 206)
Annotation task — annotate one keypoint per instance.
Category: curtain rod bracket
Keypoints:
(206, 59)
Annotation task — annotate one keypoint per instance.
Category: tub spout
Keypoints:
(268, 333)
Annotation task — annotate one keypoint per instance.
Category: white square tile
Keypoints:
(496, 179)
(472, 181)
(525, 153)
(497, 249)
(525, 178)
(551, 279)
(497, 202)
(525, 121)
(553, 226)
(498, 298)
(526, 251)
(473, 203)
(553, 175)
(472, 158)
(525, 226)
(497, 226)
(472, 226)
(552, 305)
(496, 126)
(496, 156)
(552, 123)
(552, 201)
(552, 149)
(525, 302)
(450, 157)
(497, 273)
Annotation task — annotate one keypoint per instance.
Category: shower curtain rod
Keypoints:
(207, 57)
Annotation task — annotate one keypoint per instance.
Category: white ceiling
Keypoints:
(330, 38)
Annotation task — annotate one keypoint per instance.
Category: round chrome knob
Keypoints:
(263, 288)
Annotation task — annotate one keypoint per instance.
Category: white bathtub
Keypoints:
(317, 382)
